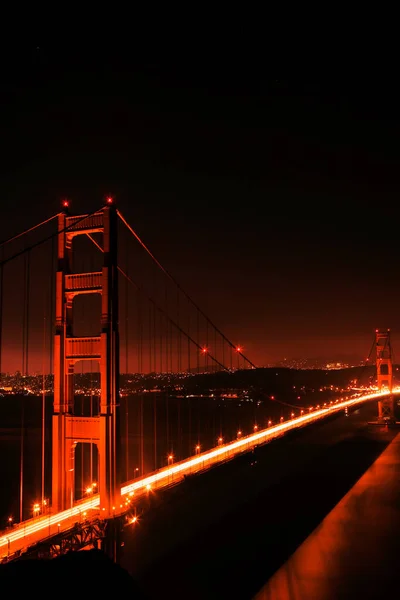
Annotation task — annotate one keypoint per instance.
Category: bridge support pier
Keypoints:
(103, 430)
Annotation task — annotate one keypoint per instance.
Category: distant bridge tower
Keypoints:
(384, 370)
(102, 429)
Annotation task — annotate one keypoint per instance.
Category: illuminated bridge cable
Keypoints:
(172, 322)
(25, 340)
(127, 370)
(43, 400)
(163, 312)
(168, 274)
(1, 314)
(19, 235)
(47, 238)
(366, 362)
(25, 326)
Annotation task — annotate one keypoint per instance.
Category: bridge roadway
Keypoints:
(32, 531)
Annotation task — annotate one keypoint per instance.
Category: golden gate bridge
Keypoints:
(86, 306)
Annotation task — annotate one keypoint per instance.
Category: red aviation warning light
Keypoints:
(65, 203)
(109, 200)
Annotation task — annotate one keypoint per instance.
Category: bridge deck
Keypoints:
(351, 553)
(30, 532)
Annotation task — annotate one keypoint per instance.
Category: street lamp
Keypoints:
(170, 459)
(197, 449)
(220, 440)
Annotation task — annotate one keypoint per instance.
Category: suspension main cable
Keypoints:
(168, 274)
(18, 235)
(365, 365)
(139, 289)
(49, 237)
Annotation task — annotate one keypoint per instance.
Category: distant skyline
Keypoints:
(273, 201)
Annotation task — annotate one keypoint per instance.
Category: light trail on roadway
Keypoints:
(34, 530)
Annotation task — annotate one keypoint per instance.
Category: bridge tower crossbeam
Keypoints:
(103, 430)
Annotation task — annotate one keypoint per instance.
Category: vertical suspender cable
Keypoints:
(178, 400)
(223, 351)
(198, 341)
(215, 348)
(150, 334)
(91, 446)
(198, 371)
(43, 398)
(28, 277)
(141, 436)
(167, 348)
(25, 313)
(127, 363)
(161, 321)
(171, 347)
(21, 465)
(189, 400)
(179, 333)
(24, 344)
(155, 429)
(91, 414)
(207, 346)
(153, 313)
(1, 310)
(155, 393)
(141, 395)
(52, 302)
(82, 445)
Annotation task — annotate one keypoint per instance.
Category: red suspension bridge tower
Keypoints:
(102, 429)
(384, 373)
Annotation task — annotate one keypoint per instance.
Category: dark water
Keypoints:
(156, 426)
(223, 534)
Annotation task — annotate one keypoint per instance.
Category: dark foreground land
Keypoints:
(75, 575)
(225, 533)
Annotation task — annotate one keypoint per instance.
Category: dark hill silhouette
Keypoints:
(89, 573)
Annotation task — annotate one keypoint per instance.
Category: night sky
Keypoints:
(272, 199)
